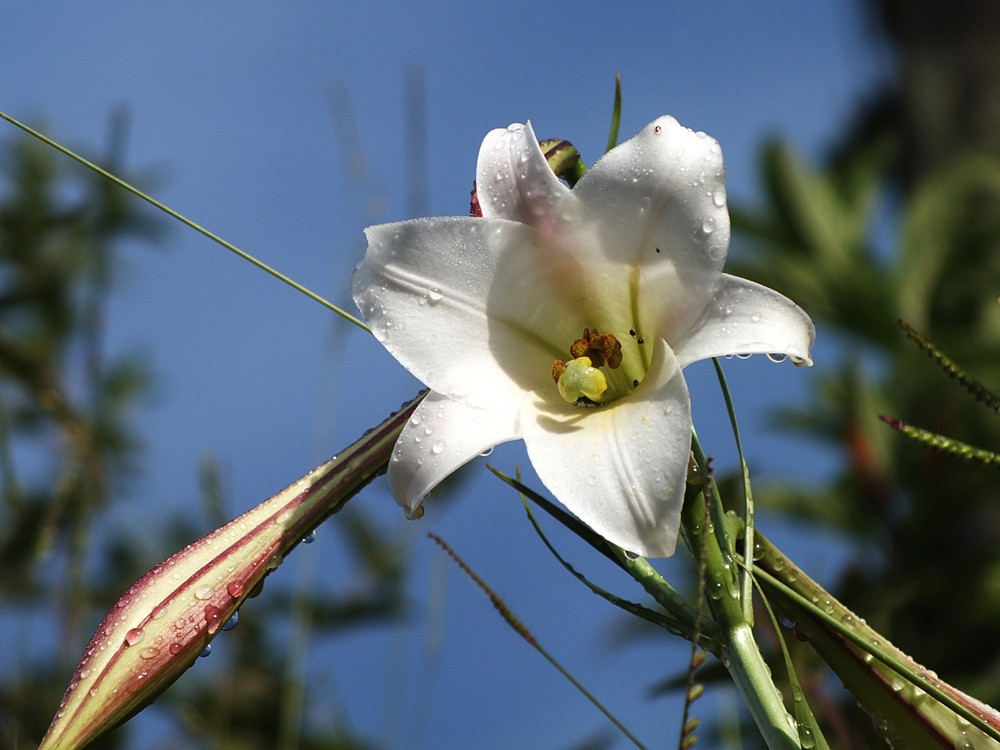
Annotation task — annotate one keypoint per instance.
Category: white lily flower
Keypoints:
(484, 311)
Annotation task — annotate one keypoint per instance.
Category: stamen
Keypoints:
(601, 348)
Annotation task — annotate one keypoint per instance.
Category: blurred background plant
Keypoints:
(68, 447)
(902, 220)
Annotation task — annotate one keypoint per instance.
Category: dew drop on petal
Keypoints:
(150, 652)
(438, 448)
(755, 318)
(777, 357)
(231, 622)
(719, 197)
(487, 452)
(234, 589)
(133, 636)
(206, 651)
(434, 296)
(309, 538)
(175, 648)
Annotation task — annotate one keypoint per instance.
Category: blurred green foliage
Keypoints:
(901, 221)
(68, 446)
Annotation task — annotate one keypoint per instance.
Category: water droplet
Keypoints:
(150, 652)
(719, 197)
(203, 593)
(234, 589)
(213, 618)
(434, 296)
(487, 452)
(438, 448)
(175, 648)
(644, 203)
(133, 636)
(631, 555)
(743, 356)
(309, 538)
(206, 651)
(715, 590)
(806, 738)
(231, 622)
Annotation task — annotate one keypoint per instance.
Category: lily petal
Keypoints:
(744, 317)
(620, 468)
(666, 183)
(658, 204)
(441, 436)
(477, 309)
(513, 180)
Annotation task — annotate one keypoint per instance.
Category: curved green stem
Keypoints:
(187, 222)
(740, 654)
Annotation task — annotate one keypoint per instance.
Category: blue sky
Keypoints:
(230, 111)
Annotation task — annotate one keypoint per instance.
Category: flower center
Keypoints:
(581, 381)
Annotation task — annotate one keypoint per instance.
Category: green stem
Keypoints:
(740, 653)
(187, 222)
(753, 679)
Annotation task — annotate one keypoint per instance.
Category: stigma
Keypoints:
(579, 381)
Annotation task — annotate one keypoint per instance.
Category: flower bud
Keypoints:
(166, 619)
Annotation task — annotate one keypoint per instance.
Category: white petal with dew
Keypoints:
(477, 309)
(513, 180)
(441, 436)
(658, 204)
(620, 468)
(423, 289)
(744, 317)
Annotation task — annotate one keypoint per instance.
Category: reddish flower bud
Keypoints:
(167, 618)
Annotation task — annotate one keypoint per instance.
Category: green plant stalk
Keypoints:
(748, 517)
(186, 221)
(909, 703)
(739, 652)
